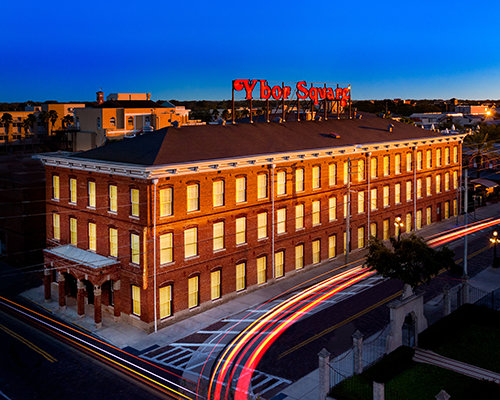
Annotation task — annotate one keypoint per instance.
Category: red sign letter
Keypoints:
(302, 91)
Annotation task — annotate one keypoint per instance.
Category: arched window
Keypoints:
(112, 121)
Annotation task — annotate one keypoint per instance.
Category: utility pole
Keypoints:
(466, 198)
(348, 218)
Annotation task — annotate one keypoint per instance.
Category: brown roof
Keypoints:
(206, 142)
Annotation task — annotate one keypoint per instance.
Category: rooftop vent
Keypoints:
(390, 128)
(331, 135)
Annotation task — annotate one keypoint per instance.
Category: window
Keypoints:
(345, 205)
(386, 166)
(373, 229)
(261, 186)
(299, 256)
(193, 290)
(261, 270)
(215, 284)
(455, 179)
(332, 174)
(56, 225)
(193, 198)
(134, 248)
(419, 161)
(299, 216)
(55, 187)
(361, 202)
(166, 248)
(279, 264)
(428, 214)
(332, 246)
(240, 276)
(166, 208)
(281, 183)
(316, 216)
(409, 161)
(386, 196)
(373, 167)
(299, 180)
(218, 193)
(218, 236)
(447, 155)
(92, 237)
(113, 198)
(373, 199)
(397, 164)
(113, 242)
(428, 159)
(345, 242)
(455, 154)
(316, 251)
(190, 242)
(281, 220)
(134, 201)
(361, 237)
(112, 121)
(446, 209)
(241, 226)
(241, 189)
(72, 190)
(428, 186)
(386, 226)
(136, 300)
(98, 122)
(438, 157)
(455, 207)
(419, 188)
(316, 177)
(408, 190)
(438, 183)
(346, 172)
(91, 193)
(165, 294)
(130, 120)
(361, 170)
(397, 193)
(408, 222)
(73, 231)
(262, 225)
(447, 181)
(332, 209)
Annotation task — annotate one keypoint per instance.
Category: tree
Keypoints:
(44, 119)
(53, 118)
(409, 259)
(481, 148)
(28, 123)
(6, 121)
(67, 121)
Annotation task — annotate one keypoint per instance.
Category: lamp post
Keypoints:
(495, 240)
(399, 226)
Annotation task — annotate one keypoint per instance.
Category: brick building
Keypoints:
(187, 217)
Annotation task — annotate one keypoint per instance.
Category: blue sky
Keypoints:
(60, 50)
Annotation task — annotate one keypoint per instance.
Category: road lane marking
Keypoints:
(31, 345)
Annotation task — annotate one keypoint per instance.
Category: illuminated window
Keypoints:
(241, 189)
(215, 284)
(345, 242)
(455, 154)
(408, 222)
(136, 300)
(218, 193)
(361, 202)
(113, 242)
(261, 186)
(419, 219)
(316, 218)
(455, 179)
(446, 209)
(373, 199)
(419, 188)
(316, 177)
(92, 237)
(397, 164)
(281, 220)
(373, 167)
(386, 196)
(240, 276)
(299, 180)
(386, 166)
(72, 190)
(438, 183)
(55, 187)
(134, 248)
(241, 227)
(361, 170)
(316, 251)
(332, 174)
(218, 236)
(112, 121)
(419, 161)
(193, 197)
(134, 200)
(262, 225)
(428, 159)
(428, 215)
(165, 294)
(113, 198)
(332, 208)
(332, 246)
(261, 270)
(56, 225)
(73, 231)
(447, 155)
(166, 202)
(447, 181)
(397, 193)
(279, 264)
(299, 216)
(346, 172)
(438, 157)
(428, 188)
(386, 229)
(345, 205)
(455, 207)
(373, 229)
(409, 161)
(408, 190)
(91, 193)
(299, 256)
(166, 248)
(281, 183)
(361, 237)
(190, 242)
(193, 291)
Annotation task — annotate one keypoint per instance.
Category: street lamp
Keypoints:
(495, 240)
(399, 227)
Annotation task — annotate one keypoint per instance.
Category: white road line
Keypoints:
(4, 395)
(195, 345)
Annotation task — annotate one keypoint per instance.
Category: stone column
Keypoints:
(116, 300)
(446, 302)
(378, 391)
(62, 290)
(357, 344)
(47, 282)
(324, 373)
(97, 306)
(80, 297)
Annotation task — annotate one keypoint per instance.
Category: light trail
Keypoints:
(469, 229)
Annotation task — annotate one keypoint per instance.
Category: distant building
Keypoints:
(474, 110)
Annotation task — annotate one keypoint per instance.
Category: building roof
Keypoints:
(206, 142)
(81, 256)
(130, 104)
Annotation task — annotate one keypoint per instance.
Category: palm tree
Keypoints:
(6, 121)
(44, 118)
(67, 121)
(53, 118)
(480, 148)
